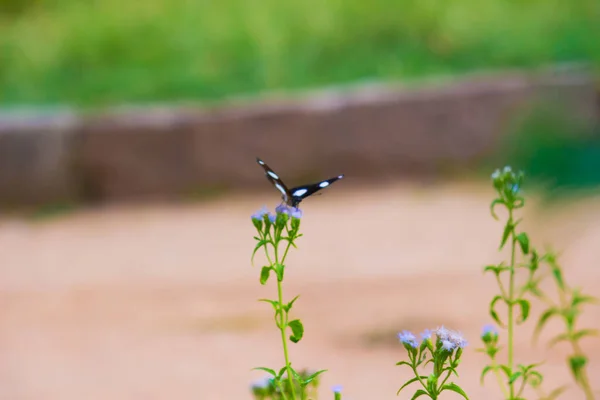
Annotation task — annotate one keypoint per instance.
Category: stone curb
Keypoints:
(372, 132)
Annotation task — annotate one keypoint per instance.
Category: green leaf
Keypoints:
(408, 383)
(558, 338)
(570, 315)
(523, 240)
(532, 286)
(264, 274)
(258, 246)
(289, 305)
(491, 351)
(542, 321)
(577, 363)
(279, 269)
(529, 367)
(496, 269)
(514, 377)
(295, 374)
(579, 298)
(404, 363)
(487, 369)
(281, 371)
(493, 312)
(556, 392)
(524, 304)
(419, 393)
(585, 332)
(297, 330)
(539, 378)
(310, 378)
(493, 205)
(274, 303)
(557, 273)
(455, 388)
(535, 261)
(268, 370)
(507, 230)
(506, 370)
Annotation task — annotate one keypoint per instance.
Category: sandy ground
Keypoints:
(160, 302)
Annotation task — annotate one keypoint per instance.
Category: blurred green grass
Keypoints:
(94, 53)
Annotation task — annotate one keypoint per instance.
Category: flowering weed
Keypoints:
(513, 378)
(276, 232)
(441, 347)
(444, 353)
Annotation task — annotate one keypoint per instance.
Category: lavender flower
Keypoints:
(496, 174)
(426, 334)
(262, 383)
(408, 338)
(448, 345)
(261, 387)
(489, 334)
(442, 333)
(282, 209)
(295, 212)
(458, 340)
(455, 338)
(258, 215)
(337, 392)
(272, 218)
(489, 329)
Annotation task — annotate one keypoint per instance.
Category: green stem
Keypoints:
(419, 377)
(523, 382)
(511, 292)
(499, 377)
(282, 325)
(287, 247)
(446, 378)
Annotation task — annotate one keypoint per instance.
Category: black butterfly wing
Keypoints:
(299, 193)
(275, 180)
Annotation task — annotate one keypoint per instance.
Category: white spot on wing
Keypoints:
(323, 184)
(273, 174)
(261, 162)
(299, 192)
(340, 177)
(280, 188)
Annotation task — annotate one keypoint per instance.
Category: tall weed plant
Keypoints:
(434, 357)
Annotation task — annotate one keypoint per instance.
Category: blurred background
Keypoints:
(128, 137)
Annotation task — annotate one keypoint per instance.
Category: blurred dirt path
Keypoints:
(160, 302)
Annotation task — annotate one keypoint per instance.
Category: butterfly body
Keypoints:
(292, 197)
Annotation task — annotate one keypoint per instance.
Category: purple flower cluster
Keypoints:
(408, 338)
(293, 212)
(489, 334)
(258, 215)
(489, 329)
(450, 339)
(337, 389)
(507, 179)
(262, 383)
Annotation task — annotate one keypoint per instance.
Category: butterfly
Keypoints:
(292, 197)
